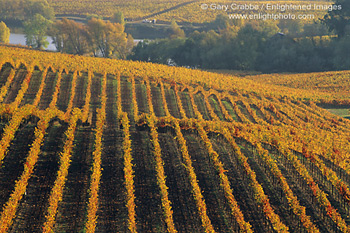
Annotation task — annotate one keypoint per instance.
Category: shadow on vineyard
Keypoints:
(99, 145)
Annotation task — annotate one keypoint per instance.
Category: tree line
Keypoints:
(18, 11)
(96, 38)
(266, 46)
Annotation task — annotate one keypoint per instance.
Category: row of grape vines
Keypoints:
(276, 138)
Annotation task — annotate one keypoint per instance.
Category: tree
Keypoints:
(291, 27)
(108, 39)
(130, 43)
(69, 36)
(118, 17)
(58, 38)
(140, 51)
(96, 36)
(187, 54)
(222, 22)
(90, 16)
(4, 33)
(39, 7)
(342, 50)
(176, 31)
(315, 29)
(74, 37)
(116, 40)
(339, 20)
(22, 10)
(36, 30)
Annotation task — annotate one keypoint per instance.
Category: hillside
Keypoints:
(334, 84)
(100, 145)
(164, 10)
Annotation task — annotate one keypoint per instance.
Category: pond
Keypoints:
(20, 39)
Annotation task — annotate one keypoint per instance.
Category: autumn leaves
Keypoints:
(279, 123)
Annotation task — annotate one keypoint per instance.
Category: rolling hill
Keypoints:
(101, 145)
(164, 10)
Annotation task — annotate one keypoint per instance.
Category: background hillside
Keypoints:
(163, 10)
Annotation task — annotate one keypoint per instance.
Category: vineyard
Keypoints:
(164, 10)
(335, 84)
(99, 145)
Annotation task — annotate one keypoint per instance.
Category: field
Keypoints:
(335, 84)
(164, 10)
(99, 145)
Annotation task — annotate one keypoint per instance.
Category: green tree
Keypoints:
(140, 51)
(342, 50)
(118, 17)
(249, 43)
(4, 33)
(39, 7)
(222, 22)
(90, 16)
(36, 30)
(291, 27)
(315, 29)
(129, 44)
(22, 10)
(339, 20)
(176, 31)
